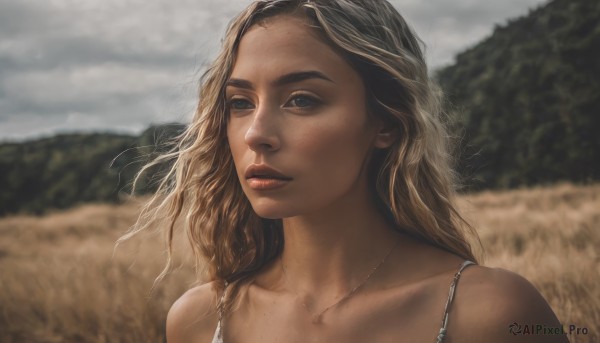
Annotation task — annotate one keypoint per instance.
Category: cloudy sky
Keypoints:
(120, 65)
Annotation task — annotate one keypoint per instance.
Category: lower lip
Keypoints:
(265, 184)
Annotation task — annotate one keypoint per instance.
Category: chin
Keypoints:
(273, 210)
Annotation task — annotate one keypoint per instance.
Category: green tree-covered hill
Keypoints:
(527, 99)
(65, 170)
(526, 102)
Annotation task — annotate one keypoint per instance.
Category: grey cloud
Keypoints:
(20, 18)
(123, 64)
(102, 64)
(123, 113)
(59, 53)
(449, 27)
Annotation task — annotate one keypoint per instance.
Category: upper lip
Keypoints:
(255, 170)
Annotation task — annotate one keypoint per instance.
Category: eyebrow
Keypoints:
(281, 81)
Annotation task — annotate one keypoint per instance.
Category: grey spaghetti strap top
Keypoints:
(218, 338)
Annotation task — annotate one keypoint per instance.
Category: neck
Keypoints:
(327, 254)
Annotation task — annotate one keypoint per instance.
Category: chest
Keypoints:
(405, 315)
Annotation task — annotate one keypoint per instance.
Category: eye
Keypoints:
(239, 104)
(303, 101)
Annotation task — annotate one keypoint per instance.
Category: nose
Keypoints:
(263, 133)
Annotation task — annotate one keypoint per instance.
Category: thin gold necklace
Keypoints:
(317, 318)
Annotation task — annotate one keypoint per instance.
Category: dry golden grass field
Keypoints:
(61, 281)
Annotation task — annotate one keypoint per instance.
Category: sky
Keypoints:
(122, 65)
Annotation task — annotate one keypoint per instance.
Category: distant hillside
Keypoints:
(527, 99)
(65, 170)
(526, 102)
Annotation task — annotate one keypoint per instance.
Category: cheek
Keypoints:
(335, 148)
(235, 139)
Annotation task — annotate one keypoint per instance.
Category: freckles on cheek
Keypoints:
(315, 139)
(235, 136)
(235, 145)
(326, 144)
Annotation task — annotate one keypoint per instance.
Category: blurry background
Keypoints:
(120, 65)
(87, 88)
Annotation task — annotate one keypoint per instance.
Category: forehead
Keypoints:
(284, 44)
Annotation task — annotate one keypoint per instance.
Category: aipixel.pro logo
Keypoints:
(540, 329)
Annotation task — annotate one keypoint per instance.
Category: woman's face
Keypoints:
(297, 107)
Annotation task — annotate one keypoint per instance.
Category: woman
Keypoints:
(316, 187)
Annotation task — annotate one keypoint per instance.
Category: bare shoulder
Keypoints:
(193, 317)
(491, 300)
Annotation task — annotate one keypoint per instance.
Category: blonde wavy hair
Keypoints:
(412, 181)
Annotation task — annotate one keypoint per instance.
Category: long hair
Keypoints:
(412, 181)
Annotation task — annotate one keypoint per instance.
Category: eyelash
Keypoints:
(234, 100)
(313, 100)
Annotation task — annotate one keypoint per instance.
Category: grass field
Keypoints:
(61, 280)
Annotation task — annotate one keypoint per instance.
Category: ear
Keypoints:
(386, 136)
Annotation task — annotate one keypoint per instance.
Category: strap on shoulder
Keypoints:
(443, 329)
(218, 338)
